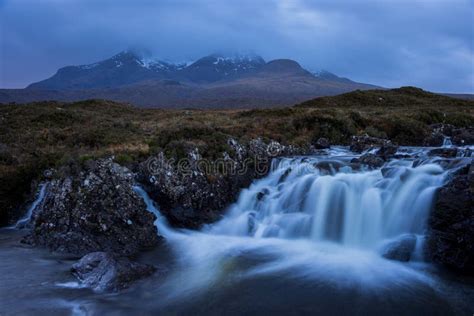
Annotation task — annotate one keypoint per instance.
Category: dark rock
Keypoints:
(463, 136)
(434, 140)
(284, 175)
(329, 166)
(371, 160)
(400, 249)
(321, 143)
(196, 197)
(444, 152)
(442, 129)
(450, 239)
(104, 272)
(387, 151)
(262, 194)
(360, 144)
(93, 210)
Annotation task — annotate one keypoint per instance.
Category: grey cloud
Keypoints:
(390, 43)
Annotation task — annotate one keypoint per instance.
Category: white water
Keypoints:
(318, 224)
(447, 142)
(39, 198)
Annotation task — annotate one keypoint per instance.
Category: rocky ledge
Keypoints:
(92, 209)
(195, 191)
(450, 240)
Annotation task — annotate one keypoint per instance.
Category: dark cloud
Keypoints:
(426, 43)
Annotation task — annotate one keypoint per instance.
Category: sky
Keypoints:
(391, 43)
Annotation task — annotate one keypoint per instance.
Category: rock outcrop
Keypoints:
(103, 272)
(195, 191)
(450, 240)
(92, 209)
(360, 144)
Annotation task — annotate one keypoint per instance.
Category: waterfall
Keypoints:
(360, 209)
(447, 142)
(21, 223)
(160, 222)
(322, 219)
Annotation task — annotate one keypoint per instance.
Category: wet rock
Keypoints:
(262, 194)
(329, 166)
(371, 160)
(400, 249)
(444, 152)
(103, 272)
(450, 238)
(93, 209)
(321, 143)
(360, 144)
(387, 151)
(284, 175)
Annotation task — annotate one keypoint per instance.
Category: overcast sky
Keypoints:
(426, 43)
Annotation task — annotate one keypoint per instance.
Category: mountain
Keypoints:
(236, 81)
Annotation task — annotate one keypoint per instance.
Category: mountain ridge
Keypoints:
(213, 81)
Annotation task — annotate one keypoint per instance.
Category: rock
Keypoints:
(329, 166)
(321, 143)
(103, 272)
(400, 249)
(450, 238)
(196, 197)
(444, 152)
(371, 160)
(463, 136)
(93, 209)
(434, 140)
(360, 144)
(387, 151)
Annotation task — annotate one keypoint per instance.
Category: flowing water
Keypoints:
(306, 239)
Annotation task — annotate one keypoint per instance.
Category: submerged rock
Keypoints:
(450, 239)
(400, 249)
(370, 160)
(94, 209)
(104, 272)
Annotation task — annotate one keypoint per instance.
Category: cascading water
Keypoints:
(359, 209)
(323, 218)
(39, 198)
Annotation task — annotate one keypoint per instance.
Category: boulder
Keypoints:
(103, 272)
(450, 238)
(400, 249)
(93, 208)
(463, 136)
(444, 152)
(321, 143)
(387, 151)
(360, 144)
(434, 140)
(371, 160)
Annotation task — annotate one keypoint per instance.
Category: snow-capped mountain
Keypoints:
(217, 67)
(212, 81)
